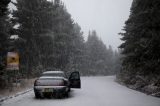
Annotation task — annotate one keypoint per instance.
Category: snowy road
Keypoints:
(96, 91)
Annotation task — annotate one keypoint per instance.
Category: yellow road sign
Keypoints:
(12, 61)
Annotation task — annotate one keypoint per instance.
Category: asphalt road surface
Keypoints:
(95, 91)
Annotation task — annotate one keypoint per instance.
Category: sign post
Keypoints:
(13, 67)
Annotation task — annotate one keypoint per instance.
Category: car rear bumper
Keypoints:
(42, 90)
(54, 87)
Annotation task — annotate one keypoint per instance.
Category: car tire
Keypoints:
(59, 95)
(67, 94)
(37, 96)
(69, 89)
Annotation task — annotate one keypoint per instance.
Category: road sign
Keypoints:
(12, 61)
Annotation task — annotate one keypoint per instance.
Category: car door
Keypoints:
(74, 79)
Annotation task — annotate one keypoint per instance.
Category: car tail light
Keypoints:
(37, 83)
(61, 83)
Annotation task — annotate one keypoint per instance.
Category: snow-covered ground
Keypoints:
(96, 91)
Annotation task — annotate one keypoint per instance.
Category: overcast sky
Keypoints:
(107, 17)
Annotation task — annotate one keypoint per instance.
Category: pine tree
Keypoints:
(33, 18)
(76, 59)
(51, 35)
(4, 23)
(141, 42)
(4, 36)
(97, 55)
(63, 36)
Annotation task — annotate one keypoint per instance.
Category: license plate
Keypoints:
(48, 90)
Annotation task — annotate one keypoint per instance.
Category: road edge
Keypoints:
(16, 95)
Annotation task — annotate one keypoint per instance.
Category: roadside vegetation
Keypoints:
(141, 48)
(47, 38)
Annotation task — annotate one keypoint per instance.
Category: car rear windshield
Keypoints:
(54, 74)
(50, 82)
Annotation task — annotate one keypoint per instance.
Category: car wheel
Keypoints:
(66, 94)
(37, 96)
(69, 89)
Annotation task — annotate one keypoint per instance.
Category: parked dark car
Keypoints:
(55, 83)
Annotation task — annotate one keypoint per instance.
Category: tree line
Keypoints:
(49, 39)
(141, 47)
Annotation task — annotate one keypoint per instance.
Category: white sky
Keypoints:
(107, 17)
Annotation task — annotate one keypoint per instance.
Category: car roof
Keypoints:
(49, 72)
(50, 77)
